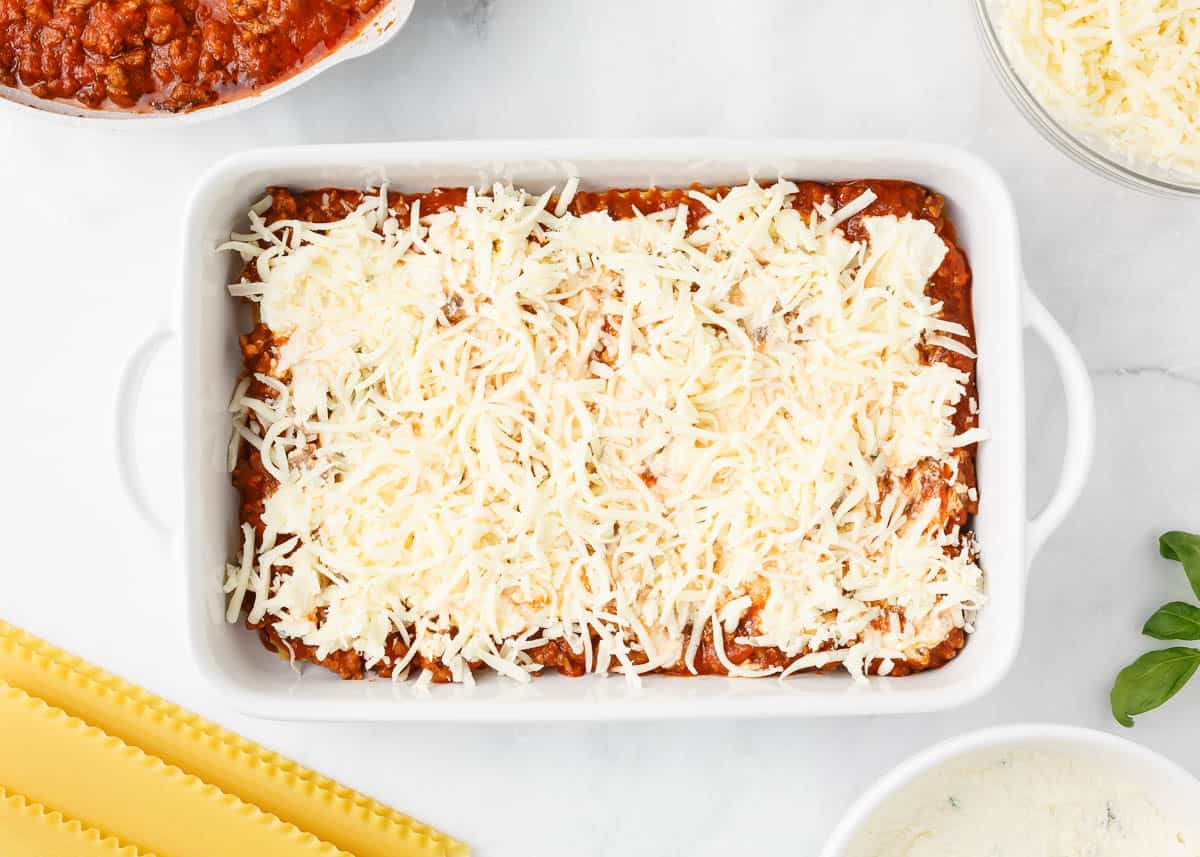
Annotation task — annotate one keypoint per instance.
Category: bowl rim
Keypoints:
(1056, 132)
(926, 760)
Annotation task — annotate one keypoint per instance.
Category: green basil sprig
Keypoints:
(1185, 548)
(1156, 676)
(1175, 621)
(1151, 680)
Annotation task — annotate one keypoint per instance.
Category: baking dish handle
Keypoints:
(1081, 430)
(129, 393)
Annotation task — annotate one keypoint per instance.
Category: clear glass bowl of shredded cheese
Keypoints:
(1115, 84)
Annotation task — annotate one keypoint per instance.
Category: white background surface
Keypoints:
(89, 226)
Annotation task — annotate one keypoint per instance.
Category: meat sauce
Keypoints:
(168, 55)
(950, 284)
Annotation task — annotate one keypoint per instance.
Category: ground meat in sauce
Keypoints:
(171, 55)
(950, 284)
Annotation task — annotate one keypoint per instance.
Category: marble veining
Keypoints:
(89, 243)
(476, 13)
(1177, 374)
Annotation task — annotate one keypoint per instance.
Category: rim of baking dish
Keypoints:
(374, 700)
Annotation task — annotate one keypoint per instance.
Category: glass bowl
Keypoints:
(1084, 148)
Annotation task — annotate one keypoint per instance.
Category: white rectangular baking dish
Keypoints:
(254, 681)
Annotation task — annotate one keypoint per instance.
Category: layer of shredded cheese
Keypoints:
(1126, 71)
(503, 425)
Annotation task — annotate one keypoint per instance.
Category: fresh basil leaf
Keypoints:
(1175, 621)
(1184, 548)
(1151, 680)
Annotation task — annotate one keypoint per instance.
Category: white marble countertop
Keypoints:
(89, 237)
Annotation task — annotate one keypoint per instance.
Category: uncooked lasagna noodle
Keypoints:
(721, 430)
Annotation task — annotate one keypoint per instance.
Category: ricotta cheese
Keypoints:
(1023, 803)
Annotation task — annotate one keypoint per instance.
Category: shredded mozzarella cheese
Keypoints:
(501, 426)
(1127, 71)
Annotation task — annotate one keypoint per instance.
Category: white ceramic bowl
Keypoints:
(377, 32)
(253, 681)
(1172, 789)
